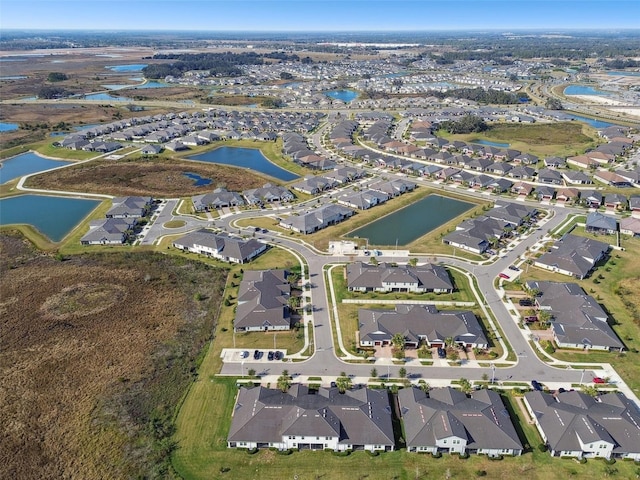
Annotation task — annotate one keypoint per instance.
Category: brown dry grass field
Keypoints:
(159, 177)
(97, 353)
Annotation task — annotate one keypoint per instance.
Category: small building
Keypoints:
(109, 231)
(365, 277)
(220, 246)
(599, 223)
(263, 302)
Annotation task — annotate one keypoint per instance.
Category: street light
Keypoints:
(581, 377)
(493, 373)
(242, 368)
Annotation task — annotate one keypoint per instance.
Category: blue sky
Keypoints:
(323, 15)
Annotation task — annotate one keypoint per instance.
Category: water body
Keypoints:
(491, 144)
(198, 181)
(591, 121)
(14, 77)
(345, 95)
(8, 127)
(107, 97)
(54, 217)
(413, 221)
(25, 164)
(250, 158)
(583, 90)
(127, 68)
(624, 74)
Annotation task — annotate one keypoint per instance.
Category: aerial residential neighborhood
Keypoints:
(311, 240)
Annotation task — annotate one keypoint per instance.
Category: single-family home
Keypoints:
(598, 223)
(573, 255)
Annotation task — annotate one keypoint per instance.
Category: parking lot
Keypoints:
(238, 355)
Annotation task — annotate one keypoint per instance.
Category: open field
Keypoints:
(542, 139)
(98, 351)
(135, 176)
(620, 283)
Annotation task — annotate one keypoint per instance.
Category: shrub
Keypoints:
(374, 453)
(288, 451)
(481, 473)
(542, 447)
(252, 451)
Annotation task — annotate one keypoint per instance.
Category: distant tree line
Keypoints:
(49, 92)
(467, 124)
(218, 64)
(481, 95)
(622, 63)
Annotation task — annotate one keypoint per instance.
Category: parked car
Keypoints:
(270, 355)
(525, 302)
(504, 275)
(442, 353)
(599, 380)
(257, 354)
(536, 385)
(278, 355)
(244, 354)
(514, 268)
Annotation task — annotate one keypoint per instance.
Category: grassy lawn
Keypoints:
(542, 139)
(622, 270)
(48, 150)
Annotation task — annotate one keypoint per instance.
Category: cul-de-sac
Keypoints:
(319, 255)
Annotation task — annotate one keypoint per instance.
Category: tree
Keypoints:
(284, 381)
(402, 372)
(56, 77)
(553, 104)
(343, 382)
(286, 76)
(374, 372)
(398, 341)
(413, 261)
(465, 385)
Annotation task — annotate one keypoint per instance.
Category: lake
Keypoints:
(8, 127)
(107, 97)
(198, 181)
(624, 74)
(14, 77)
(127, 68)
(250, 158)
(25, 164)
(54, 217)
(490, 144)
(583, 90)
(409, 223)
(592, 121)
(345, 95)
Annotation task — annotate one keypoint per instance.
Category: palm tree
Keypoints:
(374, 372)
(284, 382)
(398, 341)
(402, 372)
(413, 261)
(465, 385)
(343, 383)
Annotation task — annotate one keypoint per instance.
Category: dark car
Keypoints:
(537, 386)
(514, 268)
(257, 354)
(278, 355)
(442, 353)
(270, 356)
(264, 230)
(525, 302)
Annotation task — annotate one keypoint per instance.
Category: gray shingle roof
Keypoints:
(357, 417)
(427, 277)
(482, 419)
(263, 300)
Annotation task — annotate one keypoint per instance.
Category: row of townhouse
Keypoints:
(119, 223)
(183, 130)
(441, 420)
(313, 185)
(220, 246)
(222, 198)
(478, 234)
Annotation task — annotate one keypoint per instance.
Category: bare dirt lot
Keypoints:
(156, 178)
(97, 351)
